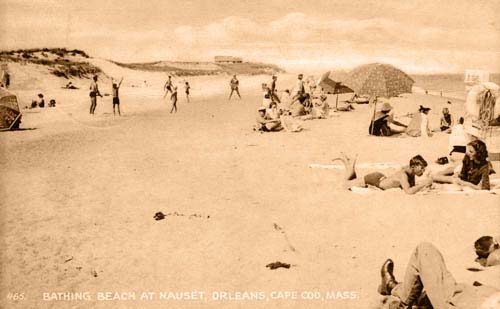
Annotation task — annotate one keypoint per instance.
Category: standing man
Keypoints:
(116, 98)
(234, 84)
(168, 85)
(299, 90)
(94, 92)
(274, 91)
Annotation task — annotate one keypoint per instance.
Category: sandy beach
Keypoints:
(79, 194)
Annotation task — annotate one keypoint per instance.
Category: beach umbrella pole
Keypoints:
(337, 101)
(373, 116)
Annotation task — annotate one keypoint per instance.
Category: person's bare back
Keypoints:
(399, 179)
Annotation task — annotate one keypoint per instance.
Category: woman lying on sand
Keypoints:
(475, 172)
(403, 178)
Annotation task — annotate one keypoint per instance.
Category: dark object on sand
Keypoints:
(159, 216)
(460, 149)
(52, 103)
(442, 161)
(277, 265)
(474, 269)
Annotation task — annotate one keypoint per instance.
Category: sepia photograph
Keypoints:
(250, 154)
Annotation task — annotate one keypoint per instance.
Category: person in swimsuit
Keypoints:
(234, 84)
(187, 87)
(403, 178)
(173, 98)
(116, 97)
(476, 168)
(168, 86)
(94, 93)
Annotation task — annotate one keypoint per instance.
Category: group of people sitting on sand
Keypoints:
(384, 124)
(305, 102)
(40, 102)
(473, 172)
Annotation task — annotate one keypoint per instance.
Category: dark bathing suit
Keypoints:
(373, 179)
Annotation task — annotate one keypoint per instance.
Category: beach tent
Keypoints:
(10, 116)
(377, 79)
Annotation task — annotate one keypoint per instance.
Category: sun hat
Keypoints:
(386, 107)
(262, 108)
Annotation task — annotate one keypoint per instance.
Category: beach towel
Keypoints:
(442, 189)
(381, 165)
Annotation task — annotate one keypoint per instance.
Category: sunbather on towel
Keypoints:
(404, 178)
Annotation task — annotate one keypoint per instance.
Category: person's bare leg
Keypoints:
(350, 165)
(351, 179)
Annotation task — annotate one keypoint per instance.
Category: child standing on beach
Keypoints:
(173, 98)
(116, 99)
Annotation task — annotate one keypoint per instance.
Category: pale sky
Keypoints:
(417, 36)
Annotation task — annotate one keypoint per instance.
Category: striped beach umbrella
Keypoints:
(377, 79)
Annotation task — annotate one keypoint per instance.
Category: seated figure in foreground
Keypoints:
(428, 282)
